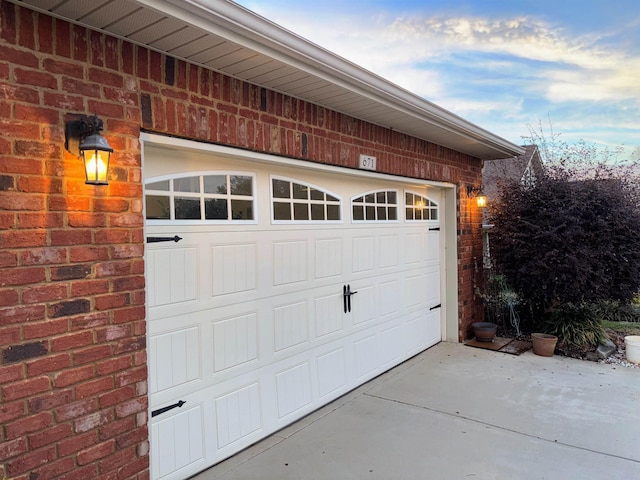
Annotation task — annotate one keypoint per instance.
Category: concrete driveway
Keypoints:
(456, 412)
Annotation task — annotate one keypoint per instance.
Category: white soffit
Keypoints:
(228, 38)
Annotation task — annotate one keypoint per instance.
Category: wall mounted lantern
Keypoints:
(481, 198)
(82, 138)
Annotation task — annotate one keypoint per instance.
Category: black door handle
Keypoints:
(346, 293)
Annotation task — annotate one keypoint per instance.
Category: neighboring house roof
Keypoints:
(228, 38)
(525, 168)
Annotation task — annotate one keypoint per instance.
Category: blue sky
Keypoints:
(502, 64)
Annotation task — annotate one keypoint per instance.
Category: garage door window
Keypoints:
(295, 201)
(419, 208)
(216, 196)
(378, 206)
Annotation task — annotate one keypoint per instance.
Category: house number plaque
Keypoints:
(367, 162)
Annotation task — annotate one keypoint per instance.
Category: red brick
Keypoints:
(111, 301)
(51, 435)
(24, 166)
(53, 470)
(39, 185)
(45, 293)
(12, 201)
(70, 237)
(10, 335)
(50, 363)
(106, 109)
(131, 438)
(95, 452)
(117, 427)
(71, 341)
(90, 471)
(11, 411)
(118, 459)
(35, 78)
(23, 276)
(89, 254)
(111, 236)
(81, 87)
(92, 354)
(13, 448)
(26, 388)
(112, 365)
(83, 220)
(113, 332)
(8, 259)
(116, 396)
(51, 400)
(131, 376)
(69, 69)
(43, 256)
(89, 287)
(37, 114)
(72, 376)
(94, 387)
(20, 129)
(77, 443)
(29, 424)
(45, 33)
(139, 466)
(129, 314)
(11, 373)
(63, 101)
(93, 421)
(132, 407)
(40, 220)
(21, 314)
(31, 461)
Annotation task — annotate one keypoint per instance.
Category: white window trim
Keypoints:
(421, 195)
(398, 206)
(272, 199)
(172, 194)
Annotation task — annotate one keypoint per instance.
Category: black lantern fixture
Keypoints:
(481, 198)
(82, 138)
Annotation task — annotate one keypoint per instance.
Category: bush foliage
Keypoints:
(576, 325)
(572, 237)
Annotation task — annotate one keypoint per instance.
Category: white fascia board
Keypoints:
(241, 26)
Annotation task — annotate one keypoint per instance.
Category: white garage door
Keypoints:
(251, 325)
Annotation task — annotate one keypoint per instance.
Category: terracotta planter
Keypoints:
(484, 331)
(543, 344)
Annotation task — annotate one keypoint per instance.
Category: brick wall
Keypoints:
(73, 388)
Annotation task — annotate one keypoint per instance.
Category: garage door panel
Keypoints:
(363, 305)
(233, 268)
(290, 262)
(328, 314)
(177, 441)
(247, 321)
(388, 252)
(293, 389)
(172, 275)
(388, 294)
(332, 371)
(363, 254)
(235, 341)
(175, 359)
(238, 415)
(290, 325)
(328, 257)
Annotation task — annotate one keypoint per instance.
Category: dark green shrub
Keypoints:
(613, 311)
(563, 241)
(576, 325)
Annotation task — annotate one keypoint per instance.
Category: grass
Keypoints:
(626, 328)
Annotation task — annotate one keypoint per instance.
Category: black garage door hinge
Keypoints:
(166, 409)
(175, 238)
